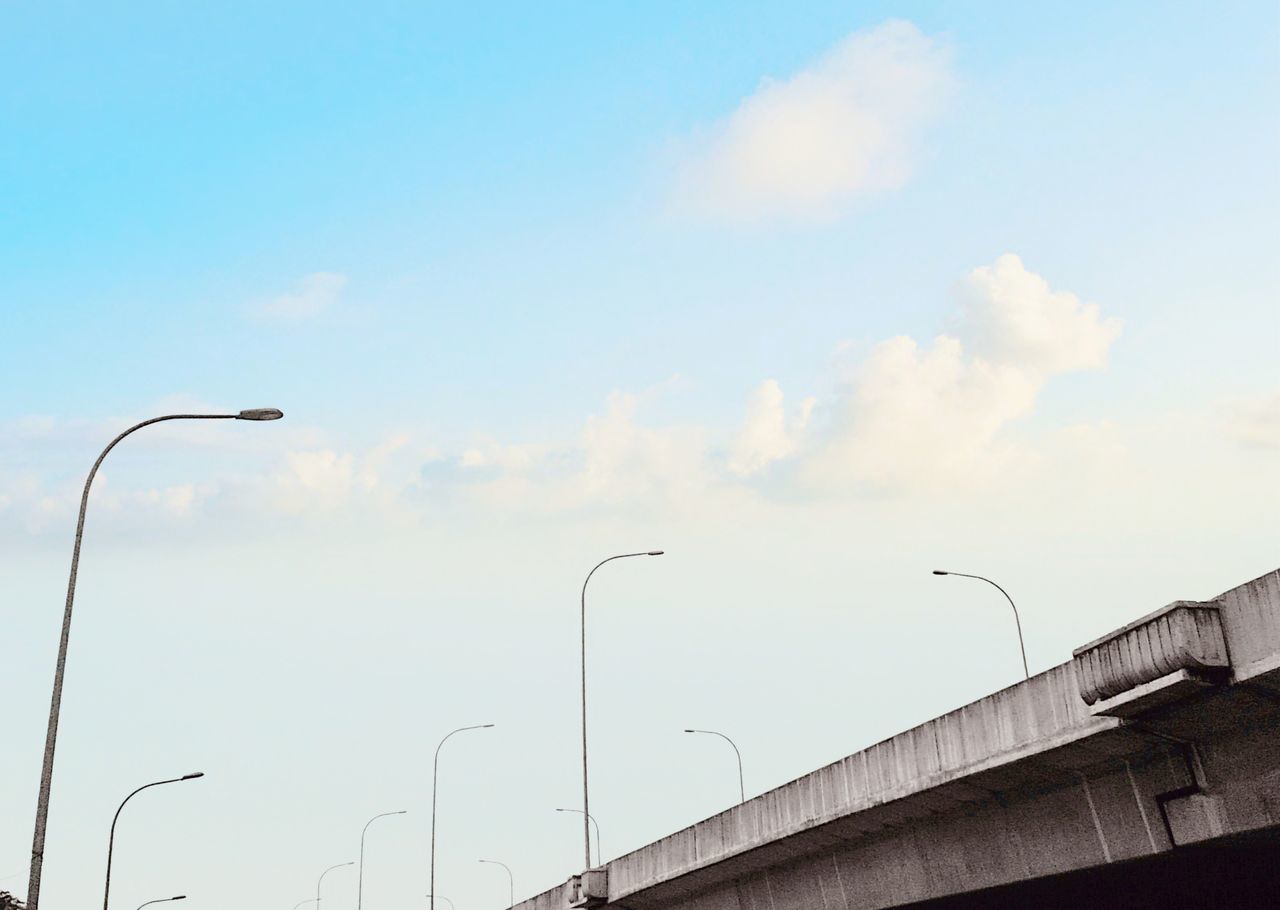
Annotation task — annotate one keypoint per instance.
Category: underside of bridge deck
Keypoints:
(1242, 871)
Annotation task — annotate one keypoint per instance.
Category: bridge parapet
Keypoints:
(1177, 646)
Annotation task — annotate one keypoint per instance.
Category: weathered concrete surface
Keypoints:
(1028, 783)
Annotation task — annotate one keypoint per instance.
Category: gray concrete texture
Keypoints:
(1179, 744)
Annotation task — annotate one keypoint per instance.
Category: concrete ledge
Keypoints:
(1160, 692)
(1185, 635)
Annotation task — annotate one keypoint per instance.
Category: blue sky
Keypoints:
(537, 284)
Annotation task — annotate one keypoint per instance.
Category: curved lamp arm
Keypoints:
(592, 819)
(163, 900)
(586, 805)
(435, 766)
(360, 881)
(1026, 672)
(742, 790)
(511, 879)
(321, 880)
(55, 706)
(111, 841)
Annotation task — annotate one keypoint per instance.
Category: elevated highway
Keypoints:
(1143, 773)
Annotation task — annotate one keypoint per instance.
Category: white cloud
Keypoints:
(614, 462)
(318, 292)
(805, 146)
(913, 417)
(918, 417)
(1013, 317)
(1256, 424)
(622, 459)
(322, 479)
(767, 436)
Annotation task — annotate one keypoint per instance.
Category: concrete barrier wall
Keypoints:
(1251, 622)
(1039, 713)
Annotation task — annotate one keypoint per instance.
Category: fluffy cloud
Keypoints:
(920, 417)
(615, 461)
(1256, 424)
(1014, 318)
(318, 292)
(621, 457)
(803, 147)
(767, 436)
(912, 417)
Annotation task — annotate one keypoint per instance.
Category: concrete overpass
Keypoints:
(1144, 773)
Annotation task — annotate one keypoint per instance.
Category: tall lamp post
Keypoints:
(435, 768)
(321, 879)
(163, 900)
(111, 841)
(51, 736)
(1016, 620)
(592, 819)
(511, 880)
(586, 806)
(360, 885)
(742, 790)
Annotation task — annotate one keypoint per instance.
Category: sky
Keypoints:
(816, 297)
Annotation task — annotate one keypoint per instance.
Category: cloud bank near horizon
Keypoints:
(914, 418)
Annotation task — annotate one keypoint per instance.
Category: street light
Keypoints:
(445, 899)
(591, 818)
(360, 886)
(586, 807)
(1016, 620)
(435, 767)
(55, 706)
(111, 841)
(742, 790)
(511, 881)
(321, 879)
(162, 900)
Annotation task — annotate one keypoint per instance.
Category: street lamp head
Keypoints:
(180, 897)
(260, 414)
(691, 731)
(485, 726)
(654, 553)
(940, 572)
(192, 776)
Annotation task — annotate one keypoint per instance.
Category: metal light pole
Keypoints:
(360, 886)
(511, 879)
(321, 879)
(163, 900)
(51, 736)
(591, 818)
(435, 767)
(445, 899)
(742, 790)
(111, 841)
(1016, 620)
(586, 806)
